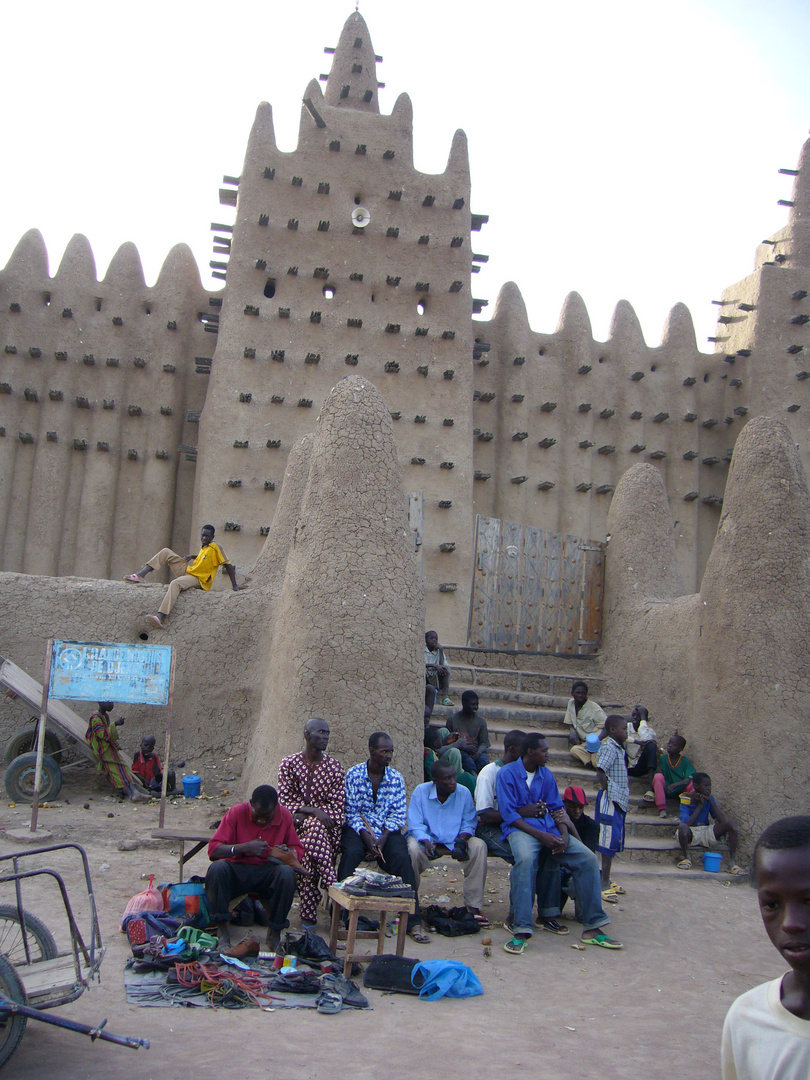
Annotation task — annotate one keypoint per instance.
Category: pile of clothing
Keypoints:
(369, 883)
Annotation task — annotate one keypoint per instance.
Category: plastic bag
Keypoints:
(446, 978)
(148, 900)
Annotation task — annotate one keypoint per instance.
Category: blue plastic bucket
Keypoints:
(711, 861)
(192, 785)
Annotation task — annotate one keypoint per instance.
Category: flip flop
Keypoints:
(603, 941)
(609, 896)
(329, 1002)
(516, 946)
(418, 935)
(482, 921)
(738, 871)
(133, 579)
(617, 889)
(685, 864)
(155, 621)
(555, 927)
(649, 796)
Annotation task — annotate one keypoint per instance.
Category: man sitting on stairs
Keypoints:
(583, 718)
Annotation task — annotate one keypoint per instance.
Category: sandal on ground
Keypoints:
(419, 935)
(482, 921)
(609, 896)
(685, 864)
(508, 926)
(329, 1002)
(133, 579)
(617, 889)
(603, 941)
(649, 796)
(516, 946)
(555, 927)
(446, 701)
(738, 871)
(155, 621)
(662, 813)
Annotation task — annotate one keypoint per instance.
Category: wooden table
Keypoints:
(182, 838)
(360, 905)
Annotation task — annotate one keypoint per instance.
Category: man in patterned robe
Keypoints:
(311, 785)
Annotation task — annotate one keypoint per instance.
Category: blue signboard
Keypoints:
(105, 671)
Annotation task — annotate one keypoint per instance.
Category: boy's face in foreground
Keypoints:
(783, 891)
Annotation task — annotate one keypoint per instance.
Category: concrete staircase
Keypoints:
(533, 697)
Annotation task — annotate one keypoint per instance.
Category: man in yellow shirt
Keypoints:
(191, 572)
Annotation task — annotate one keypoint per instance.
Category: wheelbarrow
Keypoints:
(34, 975)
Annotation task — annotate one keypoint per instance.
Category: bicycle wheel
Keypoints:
(41, 945)
(12, 1027)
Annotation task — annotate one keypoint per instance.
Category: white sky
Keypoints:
(625, 149)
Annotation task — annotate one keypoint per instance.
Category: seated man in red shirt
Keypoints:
(146, 764)
(254, 850)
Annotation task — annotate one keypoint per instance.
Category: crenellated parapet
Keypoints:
(98, 378)
(560, 417)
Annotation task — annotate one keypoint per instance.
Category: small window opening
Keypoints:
(270, 288)
(147, 309)
(329, 292)
(420, 308)
(98, 303)
(357, 200)
(46, 298)
(706, 377)
(372, 298)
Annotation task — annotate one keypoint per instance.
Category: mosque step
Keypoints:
(538, 672)
(664, 850)
(515, 715)
(625, 872)
(488, 692)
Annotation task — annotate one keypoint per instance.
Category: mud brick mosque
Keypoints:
(129, 414)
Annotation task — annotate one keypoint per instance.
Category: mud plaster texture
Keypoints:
(728, 666)
(690, 948)
(129, 411)
(331, 624)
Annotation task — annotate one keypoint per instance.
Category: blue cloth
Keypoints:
(389, 811)
(523, 879)
(429, 819)
(446, 978)
(610, 819)
(510, 784)
(708, 808)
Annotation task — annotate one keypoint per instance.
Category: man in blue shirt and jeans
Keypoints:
(442, 821)
(534, 819)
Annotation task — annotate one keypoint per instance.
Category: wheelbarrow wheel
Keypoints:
(41, 945)
(25, 742)
(12, 1028)
(21, 774)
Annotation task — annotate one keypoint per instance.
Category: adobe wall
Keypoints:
(726, 666)
(331, 624)
(96, 379)
(310, 297)
(348, 639)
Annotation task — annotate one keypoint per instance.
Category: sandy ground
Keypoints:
(653, 1011)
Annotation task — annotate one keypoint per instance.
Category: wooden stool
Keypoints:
(359, 905)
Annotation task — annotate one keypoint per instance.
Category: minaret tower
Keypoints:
(345, 259)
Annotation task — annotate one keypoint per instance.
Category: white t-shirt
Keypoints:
(762, 1040)
(486, 797)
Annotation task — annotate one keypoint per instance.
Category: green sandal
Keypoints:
(516, 946)
(603, 941)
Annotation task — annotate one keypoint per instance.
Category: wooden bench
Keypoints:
(358, 905)
(182, 838)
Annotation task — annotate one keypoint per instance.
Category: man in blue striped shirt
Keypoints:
(375, 816)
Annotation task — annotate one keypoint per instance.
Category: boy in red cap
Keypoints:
(586, 828)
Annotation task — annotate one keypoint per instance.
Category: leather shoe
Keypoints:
(248, 946)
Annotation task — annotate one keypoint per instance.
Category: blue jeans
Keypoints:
(523, 881)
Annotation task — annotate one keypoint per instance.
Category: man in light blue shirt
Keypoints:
(442, 821)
